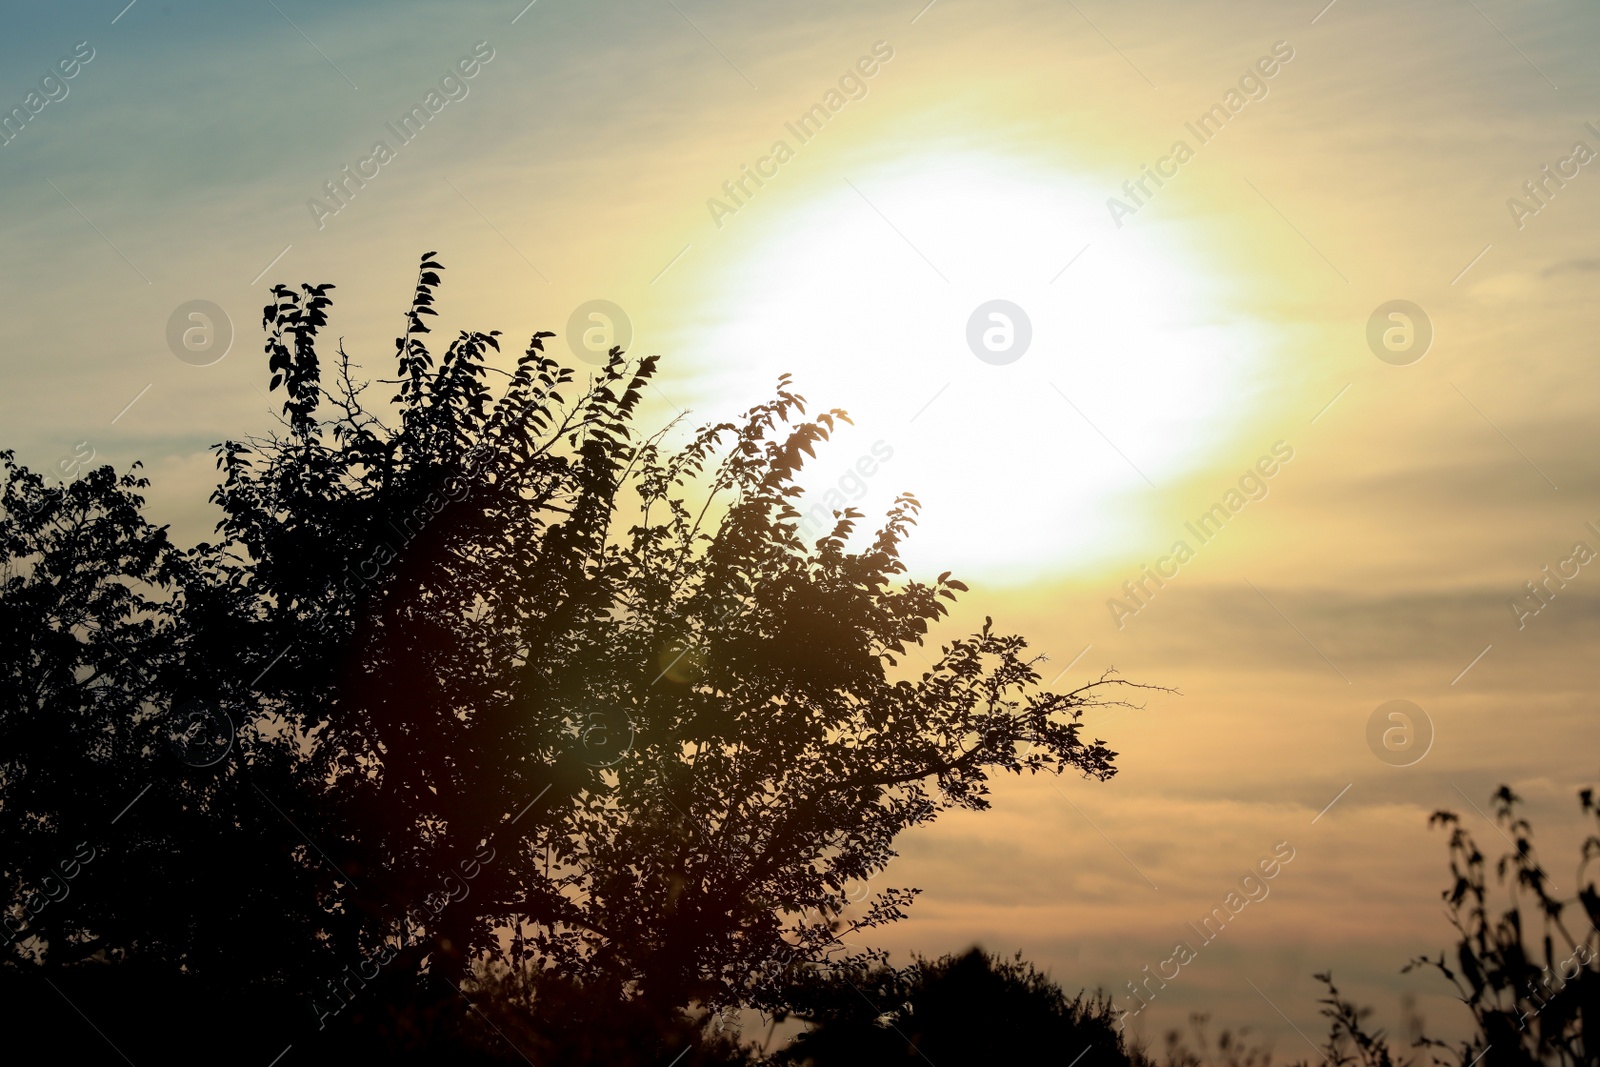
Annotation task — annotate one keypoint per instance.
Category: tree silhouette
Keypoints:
(480, 679)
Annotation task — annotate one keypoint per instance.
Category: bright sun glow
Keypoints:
(1137, 372)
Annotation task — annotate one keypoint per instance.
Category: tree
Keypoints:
(131, 868)
(87, 626)
(513, 685)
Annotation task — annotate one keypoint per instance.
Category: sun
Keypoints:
(1038, 441)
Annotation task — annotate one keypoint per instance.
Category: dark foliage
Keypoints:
(974, 1008)
(1530, 973)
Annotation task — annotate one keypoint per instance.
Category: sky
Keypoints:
(1338, 320)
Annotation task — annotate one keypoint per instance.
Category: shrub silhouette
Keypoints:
(973, 1008)
(1528, 973)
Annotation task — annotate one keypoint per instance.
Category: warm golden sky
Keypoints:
(1368, 153)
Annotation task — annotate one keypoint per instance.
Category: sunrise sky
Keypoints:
(1182, 333)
